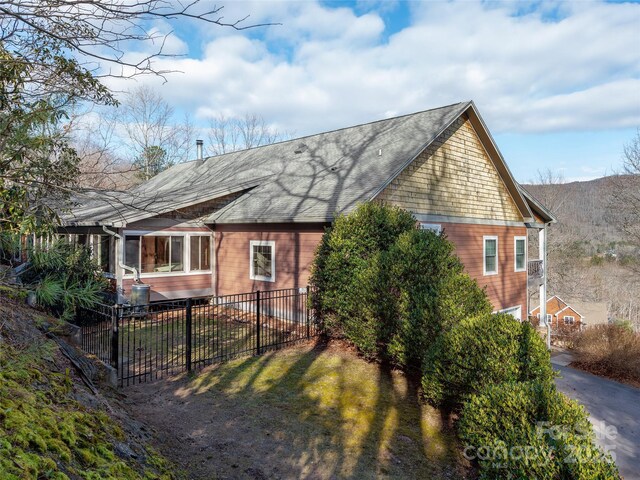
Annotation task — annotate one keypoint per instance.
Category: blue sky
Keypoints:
(558, 83)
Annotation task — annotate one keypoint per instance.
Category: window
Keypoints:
(569, 319)
(154, 254)
(200, 256)
(520, 254)
(548, 318)
(435, 227)
(262, 260)
(516, 312)
(490, 255)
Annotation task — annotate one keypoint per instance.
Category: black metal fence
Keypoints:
(146, 342)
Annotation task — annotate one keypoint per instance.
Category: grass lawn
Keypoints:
(303, 412)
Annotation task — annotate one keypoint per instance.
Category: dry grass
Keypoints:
(609, 350)
(304, 412)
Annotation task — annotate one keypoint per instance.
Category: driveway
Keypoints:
(614, 409)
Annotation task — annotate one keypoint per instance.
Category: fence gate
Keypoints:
(146, 342)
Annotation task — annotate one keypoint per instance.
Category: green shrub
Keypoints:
(530, 430)
(389, 287)
(348, 274)
(482, 350)
(64, 278)
(431, 292)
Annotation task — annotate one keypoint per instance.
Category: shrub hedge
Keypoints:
(388, 287)
(530, 430)
(483, 350)
(430, 291)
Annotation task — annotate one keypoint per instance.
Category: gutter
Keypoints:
(121, 264)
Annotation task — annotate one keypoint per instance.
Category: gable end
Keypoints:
(454, 177)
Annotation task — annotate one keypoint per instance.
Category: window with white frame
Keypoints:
(520, 250)
(262, 259)
(490, 265)
(548, 318)
(569, 319)
(200, 252)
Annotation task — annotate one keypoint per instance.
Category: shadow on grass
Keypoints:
(312, 412)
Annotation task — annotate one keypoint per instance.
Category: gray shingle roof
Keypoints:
(307, 179)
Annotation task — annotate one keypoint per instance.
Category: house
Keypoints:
(572, 316)
(560, 315)
(251, 220)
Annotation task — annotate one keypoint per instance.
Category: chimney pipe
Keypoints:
(199, 150)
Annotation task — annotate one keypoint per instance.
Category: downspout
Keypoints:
(121, 264)
(543, 303)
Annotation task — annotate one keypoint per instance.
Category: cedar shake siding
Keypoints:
(453, 177)
(295, 246)
(506, 289)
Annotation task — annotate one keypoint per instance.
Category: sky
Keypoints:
(557, 83)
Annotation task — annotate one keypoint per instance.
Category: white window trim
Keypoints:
(549, 317)
(484, 254)
(516, 308)
(187, 252)
(573, 319)
(515, 254)
(263, 243)
(434, 227)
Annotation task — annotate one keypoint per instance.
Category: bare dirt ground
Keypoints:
(314, 412)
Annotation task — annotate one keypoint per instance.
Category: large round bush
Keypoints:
(389, 287)
(482, 350)
(349, 279)
(431, 293)
(530, 430)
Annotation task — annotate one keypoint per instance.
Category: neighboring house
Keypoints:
(561, 315)
(252, 219)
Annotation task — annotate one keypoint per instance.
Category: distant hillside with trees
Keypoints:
(592, 255)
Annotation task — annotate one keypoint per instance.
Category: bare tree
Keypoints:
(156, 141)
(625, 193)
(97, 33)
(53, 55)
(552, 197)
(231, 134)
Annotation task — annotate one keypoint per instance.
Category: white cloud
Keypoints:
(326, 68)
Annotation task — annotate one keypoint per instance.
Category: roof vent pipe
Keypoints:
(199, 151)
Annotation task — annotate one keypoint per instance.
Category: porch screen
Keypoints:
(150, 253)
(200, 252)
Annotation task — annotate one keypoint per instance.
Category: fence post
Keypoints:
(258, 322)
(188, 334)
(306, 302)
(114, 336)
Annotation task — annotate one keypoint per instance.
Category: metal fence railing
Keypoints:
(146, 342)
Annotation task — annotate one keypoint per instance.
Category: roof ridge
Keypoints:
(333, 130)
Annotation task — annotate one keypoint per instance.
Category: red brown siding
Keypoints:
(295, 247)
(175, 286)
(506, 289)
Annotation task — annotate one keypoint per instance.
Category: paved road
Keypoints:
(610, 404)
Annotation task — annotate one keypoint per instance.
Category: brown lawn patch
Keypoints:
(305, 412)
